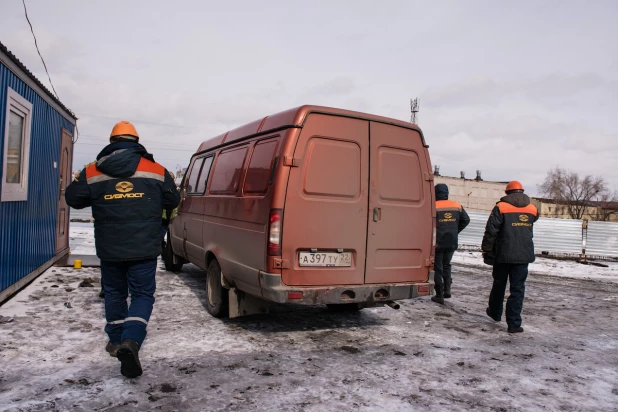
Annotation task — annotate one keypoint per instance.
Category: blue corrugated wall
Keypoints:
(28, 229)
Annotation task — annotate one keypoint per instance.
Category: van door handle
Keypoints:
(377, 214)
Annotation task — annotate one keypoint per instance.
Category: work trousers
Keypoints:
(516, 275)
(442, 266)
(119, 279)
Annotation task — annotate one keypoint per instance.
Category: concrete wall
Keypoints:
(479, 196)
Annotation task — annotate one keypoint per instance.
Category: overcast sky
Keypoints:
(509, 88)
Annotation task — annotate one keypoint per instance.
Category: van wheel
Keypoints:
(172, 261)
(216, 295)
(344, 307)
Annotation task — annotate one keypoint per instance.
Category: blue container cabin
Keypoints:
(36, 152)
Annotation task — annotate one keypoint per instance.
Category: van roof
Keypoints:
(294, 118)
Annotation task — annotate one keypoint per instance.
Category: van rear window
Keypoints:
(228, 169)
(399, 176)
(259, 171)
(333, 169)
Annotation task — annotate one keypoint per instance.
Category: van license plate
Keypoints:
(325, 259)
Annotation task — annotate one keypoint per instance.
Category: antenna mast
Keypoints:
(414, 111)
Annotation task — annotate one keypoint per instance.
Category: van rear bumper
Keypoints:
(273, 289)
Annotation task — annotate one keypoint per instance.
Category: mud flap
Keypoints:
(242, 304)
(432, 282)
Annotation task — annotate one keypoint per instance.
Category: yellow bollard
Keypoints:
(77, 264)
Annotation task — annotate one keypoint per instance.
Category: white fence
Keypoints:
(554, 235)
(551, 235)
(602, 239)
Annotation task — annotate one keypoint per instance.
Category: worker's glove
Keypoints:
(488, 258)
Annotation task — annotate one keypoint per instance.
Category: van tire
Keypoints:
(169, 257)
(216, 295)
(344, 307)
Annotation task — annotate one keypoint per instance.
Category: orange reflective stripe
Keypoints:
(447, 204)
(92, 171)
(509, 208)
(93, 175)
(148, 166)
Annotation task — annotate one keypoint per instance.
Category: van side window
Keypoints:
(260, 165)
(194, 173)
(228, 170)
(201, 187)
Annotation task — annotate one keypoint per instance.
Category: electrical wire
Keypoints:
(139, 121)
(91, 140)
(154, 147)
(45, 66)
(38, 51)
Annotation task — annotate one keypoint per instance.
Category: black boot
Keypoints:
(439, 297)
(447, 288)
(130, 366)
(491, 315)
(112, 348)
(515, 330)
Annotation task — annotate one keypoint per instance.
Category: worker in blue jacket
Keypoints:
(451, 218)
(508, 247)
(128, 192)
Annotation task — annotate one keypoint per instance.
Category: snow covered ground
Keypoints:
(551, 267)
(82, 238)
(422, 357)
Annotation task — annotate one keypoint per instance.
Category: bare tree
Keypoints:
(607, 204)
(568, 189)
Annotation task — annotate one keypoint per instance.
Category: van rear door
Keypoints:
(325, 215)
(400, 223)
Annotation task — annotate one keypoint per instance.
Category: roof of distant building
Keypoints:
(591, 203)
(469, 180)
(605, 205)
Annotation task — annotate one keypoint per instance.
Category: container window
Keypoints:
(228, 170)
(260, 168)
(194, 173)
(16, 153)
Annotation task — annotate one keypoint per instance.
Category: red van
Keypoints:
(310, 206)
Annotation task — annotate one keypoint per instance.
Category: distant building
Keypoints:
(180, 174)
(476, 194)
(551, 208)
(36, 152)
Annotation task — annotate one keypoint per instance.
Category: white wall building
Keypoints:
(473, 194)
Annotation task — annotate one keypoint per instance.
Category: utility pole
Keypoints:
(414, 111)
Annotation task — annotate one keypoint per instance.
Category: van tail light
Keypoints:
(274, 232)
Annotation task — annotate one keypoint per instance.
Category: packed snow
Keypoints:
(422, 357)
(551, 267)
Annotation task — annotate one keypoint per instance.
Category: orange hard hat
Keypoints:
(124, 128)
(514, 185)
